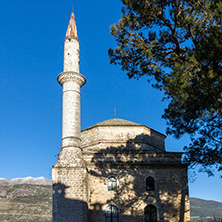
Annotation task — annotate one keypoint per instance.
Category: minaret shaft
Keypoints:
(71, 55)
(71, 114)
(71, 82)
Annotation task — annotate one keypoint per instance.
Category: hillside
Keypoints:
(30, 200)
(25, 200)
(204, 208)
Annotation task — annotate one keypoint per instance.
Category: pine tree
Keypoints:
(177, 45)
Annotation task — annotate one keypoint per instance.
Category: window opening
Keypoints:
(150, 213)
(150, 184)
(112, 183)
(112, 214)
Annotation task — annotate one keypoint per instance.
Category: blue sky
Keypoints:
(31, 56)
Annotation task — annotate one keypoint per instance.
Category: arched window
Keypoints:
(112, 214)
(150, 213)
(112, 183)
(150, 185)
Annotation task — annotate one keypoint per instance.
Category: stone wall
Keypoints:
(170, 196)
(70, 186)
(69, 194)
(131, 153)
(138, 137)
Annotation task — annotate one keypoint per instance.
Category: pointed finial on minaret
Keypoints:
(71, 32)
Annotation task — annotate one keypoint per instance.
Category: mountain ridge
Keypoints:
(25, 180)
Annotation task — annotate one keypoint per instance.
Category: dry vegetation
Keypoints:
(25, 203)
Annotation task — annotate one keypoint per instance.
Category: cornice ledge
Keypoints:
(71, 76)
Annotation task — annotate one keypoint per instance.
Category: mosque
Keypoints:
(116, 170)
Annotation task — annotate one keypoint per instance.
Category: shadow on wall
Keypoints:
(130, 199)
(134, 199)
(67, 213)
(66, 209)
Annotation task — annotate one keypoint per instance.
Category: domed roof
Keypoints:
(121, 133)
(115, 122)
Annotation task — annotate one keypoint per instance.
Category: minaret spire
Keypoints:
(71, 32)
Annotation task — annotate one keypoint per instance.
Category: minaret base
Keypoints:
(69, 194)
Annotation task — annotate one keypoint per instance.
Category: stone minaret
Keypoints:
(69, 174)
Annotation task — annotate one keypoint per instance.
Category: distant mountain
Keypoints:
(26, 200)
(26, 180)
(200, 208)
(30, 200)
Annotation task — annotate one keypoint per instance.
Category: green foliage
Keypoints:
(177, 44)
